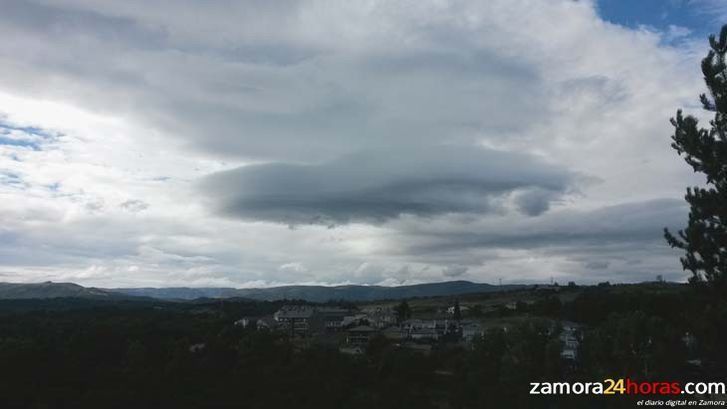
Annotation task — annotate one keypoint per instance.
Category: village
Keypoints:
(351, 329)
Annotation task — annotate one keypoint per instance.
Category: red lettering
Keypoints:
(632, 388)
(676, 389)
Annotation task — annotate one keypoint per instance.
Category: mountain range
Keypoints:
(299, 292)
(319, 293)
(14, 291)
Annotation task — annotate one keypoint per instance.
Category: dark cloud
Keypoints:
(373, 187)
(597, 265)
(34, 18)
(621, 242)
(536, 201)
(454, 271)
(624, 224)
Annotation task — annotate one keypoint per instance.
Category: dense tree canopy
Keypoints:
(85, 353)
(704, 240)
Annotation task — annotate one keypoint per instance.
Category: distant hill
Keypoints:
(319, 293)
(179, 293)
(12, 291)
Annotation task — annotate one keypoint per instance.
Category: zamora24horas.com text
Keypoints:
(626, 386)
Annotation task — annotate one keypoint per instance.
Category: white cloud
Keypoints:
(146, 100)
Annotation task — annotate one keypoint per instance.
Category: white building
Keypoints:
(569, 338)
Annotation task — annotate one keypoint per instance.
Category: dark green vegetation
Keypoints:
(78, 353)
(704, 241)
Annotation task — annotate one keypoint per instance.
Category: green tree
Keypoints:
(402, 311)
(457, 311)
(704, 240)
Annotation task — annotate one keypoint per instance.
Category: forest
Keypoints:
(78, 353)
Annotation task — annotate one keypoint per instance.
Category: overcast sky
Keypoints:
(258, 143)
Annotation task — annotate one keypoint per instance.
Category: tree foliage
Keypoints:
(402, 312)
(704, 240)
(92, 354)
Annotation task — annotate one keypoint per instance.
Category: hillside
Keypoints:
(319, 293)
(13, 291)
(9, 291)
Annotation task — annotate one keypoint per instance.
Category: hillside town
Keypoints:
(352, 329)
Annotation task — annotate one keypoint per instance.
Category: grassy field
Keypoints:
(499, 309)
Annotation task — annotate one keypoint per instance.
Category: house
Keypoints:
(411, 324)
(690, 342)
(195, 348)
(330, 319)
(471, 331)
(380, 317)
(360, 335)
(424, 334)
(423, 330)
(462, 309)
(353, 320)
(262, 323)
(295, 319)
(266, 323)
(569, 338)
(569, 354)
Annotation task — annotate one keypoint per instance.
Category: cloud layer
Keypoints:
(373, 187)
(168, 143)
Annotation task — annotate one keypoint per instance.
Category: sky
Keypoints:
(257, 143)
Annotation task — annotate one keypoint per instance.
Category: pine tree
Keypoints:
(402, 312)
(704, 240)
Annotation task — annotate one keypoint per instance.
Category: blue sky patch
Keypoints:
(660, 14)
(27, 137)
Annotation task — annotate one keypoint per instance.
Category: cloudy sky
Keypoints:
(257, 143)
